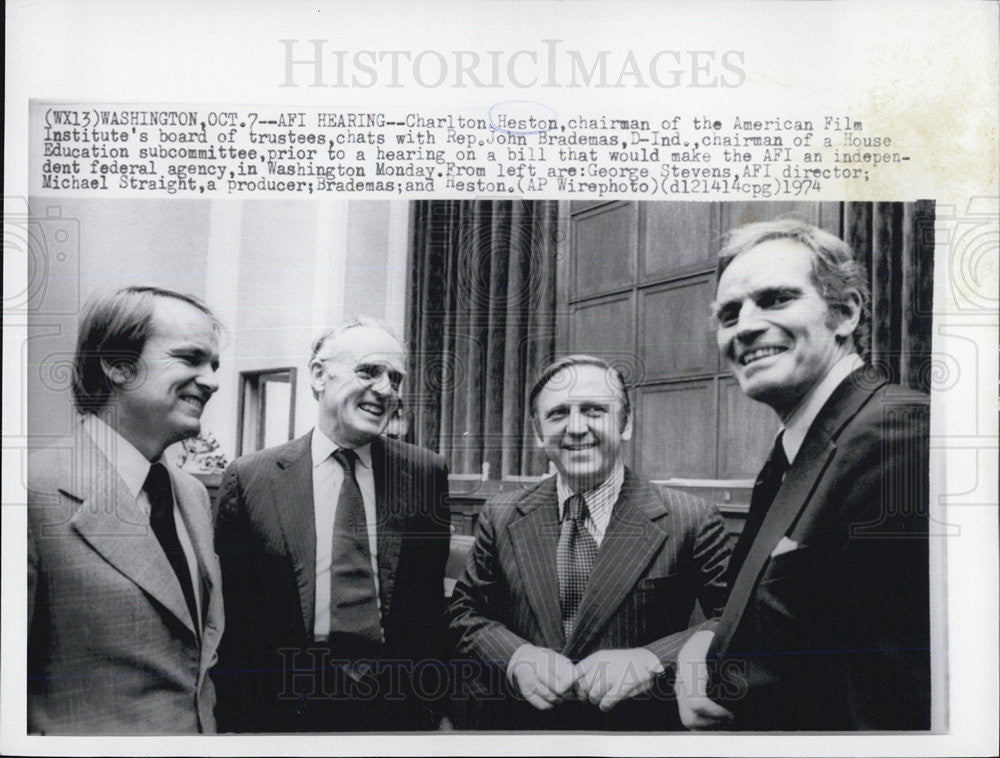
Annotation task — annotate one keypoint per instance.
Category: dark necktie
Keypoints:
(161, 519)
(764, 490)
(355, 626)
(575, 557)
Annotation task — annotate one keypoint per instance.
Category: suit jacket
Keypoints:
(834, 633)
(266, 540)
(662, 551)
(112, 648)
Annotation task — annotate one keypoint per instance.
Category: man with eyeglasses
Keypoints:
(333, 548)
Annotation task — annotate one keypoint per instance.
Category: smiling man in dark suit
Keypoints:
(827, 623)
(333, 548)
(578, 591)
(124, 596)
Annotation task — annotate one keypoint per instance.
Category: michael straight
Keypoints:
(124, 595)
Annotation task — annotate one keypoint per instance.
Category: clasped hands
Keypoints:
(545, 677)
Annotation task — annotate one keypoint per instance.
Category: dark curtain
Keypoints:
(480, 324)
(896, 243)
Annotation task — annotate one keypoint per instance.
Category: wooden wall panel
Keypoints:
(606, 328)
(677, 236)
(674, 434)
(577, 206)
(604, 244)
(675, 335)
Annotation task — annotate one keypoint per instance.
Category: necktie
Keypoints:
(161, 519)
(764, 490)
(575, 557)
(355, 626)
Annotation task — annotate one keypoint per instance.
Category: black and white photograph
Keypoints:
(643, 356)
(513, 390)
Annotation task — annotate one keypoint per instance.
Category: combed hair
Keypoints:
(835, 269)
(579, 359)
(114, 328)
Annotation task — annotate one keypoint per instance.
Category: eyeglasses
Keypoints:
(372, 373)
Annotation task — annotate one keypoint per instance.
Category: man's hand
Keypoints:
(542, 676)
(696, 710)
(609, 676)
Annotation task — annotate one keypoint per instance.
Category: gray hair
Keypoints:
(358, 321)
(335, 331)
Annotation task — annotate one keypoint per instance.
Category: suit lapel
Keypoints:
(393, 493)
(195, 510)
(292, 500)
(535, 537)
(818, 449)
(632, 539)
(110, 521)
(790, 501)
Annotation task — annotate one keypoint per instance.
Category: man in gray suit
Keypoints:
(579, 589)
(124, 595)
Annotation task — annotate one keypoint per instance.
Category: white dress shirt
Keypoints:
(133, 467)
(600, 501)
(328, 476)
(803, 416)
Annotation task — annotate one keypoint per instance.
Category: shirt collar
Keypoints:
(608, 490)
(131, 465)
(803, 417)
(323, 447)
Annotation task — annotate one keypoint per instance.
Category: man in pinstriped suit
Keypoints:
(578, 592)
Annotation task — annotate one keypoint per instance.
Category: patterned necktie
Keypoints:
(355, 625)
(764, 490)
(161, 519)
(575, 557)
